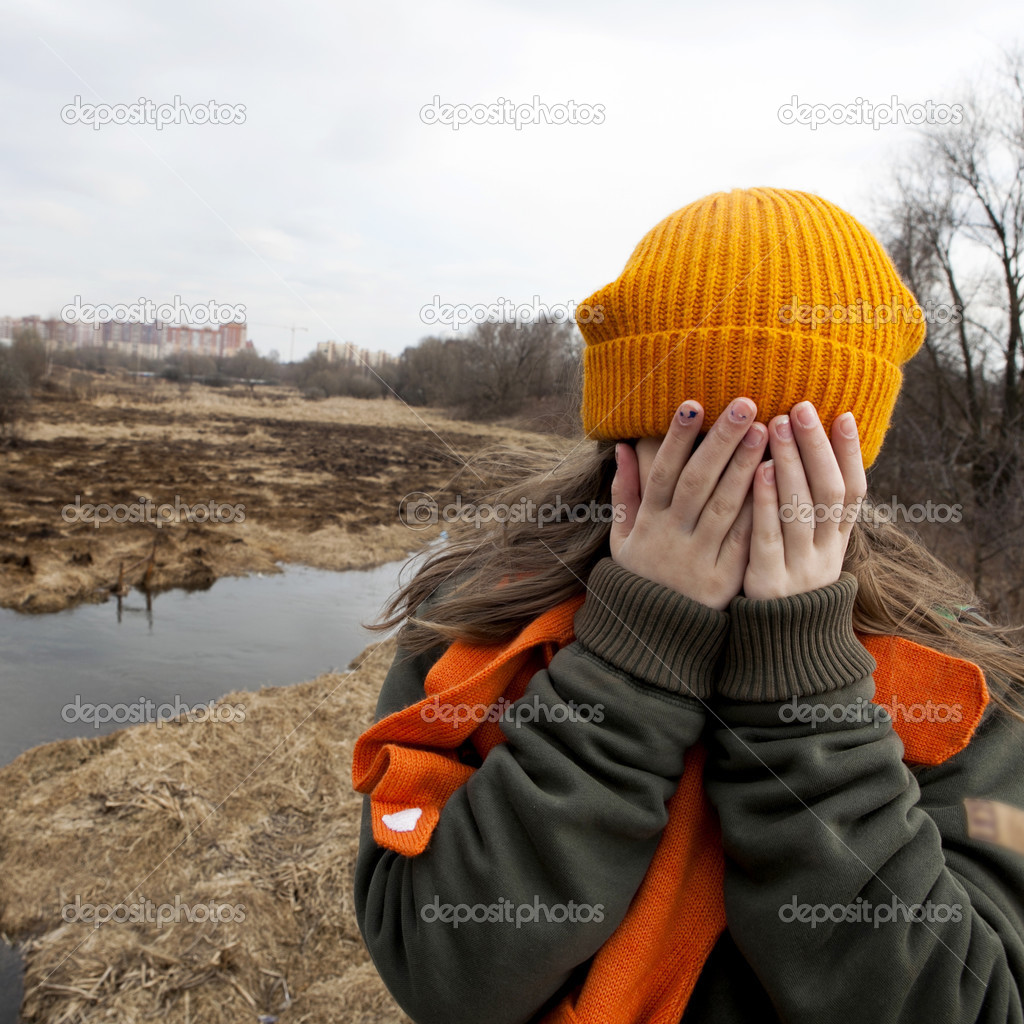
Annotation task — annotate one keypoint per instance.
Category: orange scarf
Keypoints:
(646, 971)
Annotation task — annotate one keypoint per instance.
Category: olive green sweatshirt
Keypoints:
(853, 891)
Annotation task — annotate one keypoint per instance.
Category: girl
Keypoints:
(724, 747)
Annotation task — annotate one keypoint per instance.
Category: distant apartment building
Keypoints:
(328, 349)
(152, 341)
(350, 354)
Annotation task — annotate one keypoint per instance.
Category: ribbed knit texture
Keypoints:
(799, 647)
(699, 312)
(672, 642)
(647, 970)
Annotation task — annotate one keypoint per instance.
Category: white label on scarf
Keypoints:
(402, 821)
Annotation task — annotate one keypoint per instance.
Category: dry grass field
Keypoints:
(320, 484)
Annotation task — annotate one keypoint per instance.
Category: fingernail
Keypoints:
(739, 411)
(848, 425)
(805, 414)
(688, 411)
(783, 428)
(616, 455)
(753, 437)
(769, 472)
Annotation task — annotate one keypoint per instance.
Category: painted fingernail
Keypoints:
(848, 425)
(740, 411)
(783, 428)
(688, 411)
(769, 472)
(805, 414)
(754, 436)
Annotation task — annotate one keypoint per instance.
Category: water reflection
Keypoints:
(123, 607)
(240, 634)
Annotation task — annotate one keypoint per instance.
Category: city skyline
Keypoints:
(160, 340)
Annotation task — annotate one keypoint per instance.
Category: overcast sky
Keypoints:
(333, 206)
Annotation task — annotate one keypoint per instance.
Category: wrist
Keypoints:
(799, 645)
(651, 632)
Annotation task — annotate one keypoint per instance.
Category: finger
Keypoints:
(727, 499)
(701, 473)
(625, 495)
(735, 549)
(824, 476)
(672, 456)
(767, 541)
(846, 443)
(790, 481)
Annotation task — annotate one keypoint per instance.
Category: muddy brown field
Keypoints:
(320, 483)
(261, 813)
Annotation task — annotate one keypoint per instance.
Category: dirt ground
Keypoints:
(320, 483)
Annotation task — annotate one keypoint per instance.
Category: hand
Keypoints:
(691, 530)
(800, 545)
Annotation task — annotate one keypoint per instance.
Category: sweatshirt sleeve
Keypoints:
(853, 887)
(535, 860)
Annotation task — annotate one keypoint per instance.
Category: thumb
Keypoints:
(625, 495)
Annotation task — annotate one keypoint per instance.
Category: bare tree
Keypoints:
(30, 354)
(15, 396)
(506, 363)
(956, 231)
(497, 369)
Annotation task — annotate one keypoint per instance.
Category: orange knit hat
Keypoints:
(769, 293)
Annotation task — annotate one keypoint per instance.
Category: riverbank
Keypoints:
(255, 818)
(316, 483)
(249, 817)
